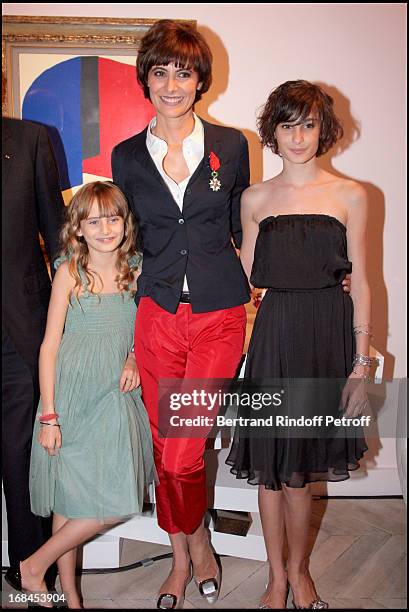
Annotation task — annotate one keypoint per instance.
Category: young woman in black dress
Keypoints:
(303, 231)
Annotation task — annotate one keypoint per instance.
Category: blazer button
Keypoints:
(183, 252)
(181, 221)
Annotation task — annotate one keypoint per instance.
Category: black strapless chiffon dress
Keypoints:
(303, 330)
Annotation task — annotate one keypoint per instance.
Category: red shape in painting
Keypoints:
(123, 112)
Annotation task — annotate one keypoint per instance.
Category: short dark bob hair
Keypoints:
(171, 41)
(295, 101)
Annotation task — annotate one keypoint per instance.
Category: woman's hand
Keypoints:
(130, 378)
(354, 397)
(346, 284)
(50, 438)
(256, 296)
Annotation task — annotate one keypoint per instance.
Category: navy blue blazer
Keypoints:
(197, 241)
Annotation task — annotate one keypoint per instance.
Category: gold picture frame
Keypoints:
(87, 35)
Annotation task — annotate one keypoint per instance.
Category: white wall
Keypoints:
(358, 52)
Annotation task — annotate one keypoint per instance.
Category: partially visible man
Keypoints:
(32, 205)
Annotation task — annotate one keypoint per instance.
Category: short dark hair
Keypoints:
(171, 41)
(293, 101)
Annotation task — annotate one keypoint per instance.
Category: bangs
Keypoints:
(297, 110)
(109, 206)
(183, 55)
(110, 200)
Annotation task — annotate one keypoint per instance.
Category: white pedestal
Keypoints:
(102, 552)
(145, 528)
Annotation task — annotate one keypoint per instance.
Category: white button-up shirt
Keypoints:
(193, 152)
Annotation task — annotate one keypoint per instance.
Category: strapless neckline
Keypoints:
(300, 251)
(305, 215)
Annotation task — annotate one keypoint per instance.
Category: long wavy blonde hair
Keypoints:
(111, 201)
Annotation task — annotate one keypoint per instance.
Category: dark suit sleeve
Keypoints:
(242, 182)
(115, 166)
(49, 201)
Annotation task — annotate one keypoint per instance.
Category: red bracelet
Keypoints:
(48, 417)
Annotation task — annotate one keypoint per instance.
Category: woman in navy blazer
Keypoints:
(183, 178)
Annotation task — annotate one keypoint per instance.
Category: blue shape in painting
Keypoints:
(54, 99)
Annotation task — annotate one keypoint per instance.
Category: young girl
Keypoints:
(303, 230)
(92, 451)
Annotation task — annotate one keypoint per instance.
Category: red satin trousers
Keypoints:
(183, 345)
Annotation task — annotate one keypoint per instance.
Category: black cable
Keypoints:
(124, 568)
(114, 570)
(352, 497)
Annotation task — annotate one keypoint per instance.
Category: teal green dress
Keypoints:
(106, 459)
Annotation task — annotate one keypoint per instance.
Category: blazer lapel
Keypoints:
(144, 159)
(212, 143)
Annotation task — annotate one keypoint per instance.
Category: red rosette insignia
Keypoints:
(214, 163)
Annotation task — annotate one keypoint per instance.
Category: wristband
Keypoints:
(48, 417)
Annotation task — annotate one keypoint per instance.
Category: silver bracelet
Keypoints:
(363, 331)
(362, 360)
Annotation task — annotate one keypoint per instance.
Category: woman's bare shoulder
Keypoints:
(350, 191)
(258, 191)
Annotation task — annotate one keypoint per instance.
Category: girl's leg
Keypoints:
(176, 582)
(73, 533)
(66, 568)
(271, 505)
(297, 516)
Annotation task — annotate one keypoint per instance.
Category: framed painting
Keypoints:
(77, 76)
